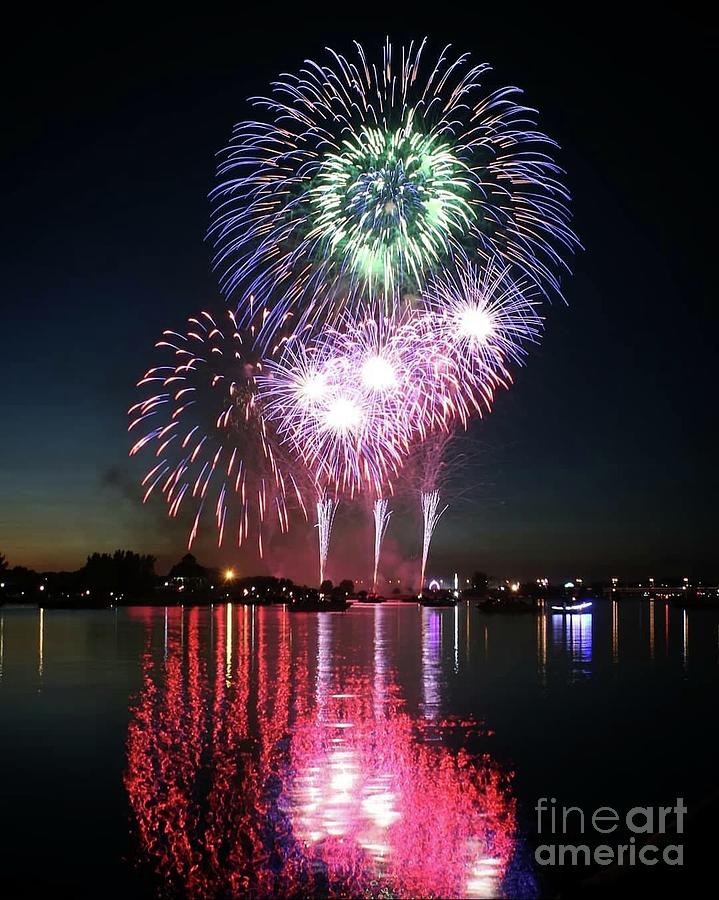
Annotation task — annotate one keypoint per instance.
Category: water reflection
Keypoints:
(40, 641)
(542, 649)
(298, 768)
(615, 631)
(322, 762)
(431, 660)
(381, 662)
(228, 646)
(574, 634)
(651, 629)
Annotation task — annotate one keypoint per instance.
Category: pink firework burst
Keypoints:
(339, 403)
(213, 451)
(478, 321)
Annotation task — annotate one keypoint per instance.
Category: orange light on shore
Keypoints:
(229, 574)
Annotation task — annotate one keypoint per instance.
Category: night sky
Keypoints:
(600, 460)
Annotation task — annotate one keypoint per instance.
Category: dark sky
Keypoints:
(602, 457)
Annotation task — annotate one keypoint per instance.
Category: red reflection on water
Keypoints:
(265, 766)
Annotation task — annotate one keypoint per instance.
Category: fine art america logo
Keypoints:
(639, 836)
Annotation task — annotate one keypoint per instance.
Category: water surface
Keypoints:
(387, 751)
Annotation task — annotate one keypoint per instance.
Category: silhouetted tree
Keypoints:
(326, 587)
(346, 587)
(123, 572)
(22, 579)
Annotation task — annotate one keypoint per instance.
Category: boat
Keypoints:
(436, 602)
(319, 606)
(571, 607)
(370, 598)
(509, 605)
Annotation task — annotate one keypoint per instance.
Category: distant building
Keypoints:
(188, 575)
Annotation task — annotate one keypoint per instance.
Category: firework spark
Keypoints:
(431, 514)
(381, 521)
(213, 450)
(364, 178)
(480, 319)
(340, 404)
(326, 509)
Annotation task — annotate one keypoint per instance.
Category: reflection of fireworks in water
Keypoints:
(431, 514)
(326, 509)
(370, 798)
(282, 781)
(381, 521)
(431, 625)
(213, 449)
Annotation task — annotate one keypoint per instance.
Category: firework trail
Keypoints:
(326, 509)
(381, 521)
(429, 466)
(424, 475)
(364, 178)
(430, 517)
(212, 448)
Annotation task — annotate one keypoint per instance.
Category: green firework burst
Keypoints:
(389, 205)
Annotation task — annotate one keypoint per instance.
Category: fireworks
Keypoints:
(387, 232)
(431, 514)
(381, 521)
(339, 402)
(388, 204)
(326, 509)
(364, 179)
(212, 448)
(480, 321)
